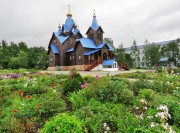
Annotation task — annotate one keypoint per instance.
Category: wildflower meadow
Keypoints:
(34, 102)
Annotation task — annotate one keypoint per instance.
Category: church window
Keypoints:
(70, 58)
(51, 59)
(92, 57)
(99, 35)
(73, 57)
(79, 57)
(54, 41)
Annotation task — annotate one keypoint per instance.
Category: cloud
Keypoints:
(34, 21)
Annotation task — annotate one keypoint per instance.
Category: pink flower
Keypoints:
(21, 93)
(84, 85)
(97, 77)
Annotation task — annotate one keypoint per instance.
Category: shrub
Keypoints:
(148, 94)
(104, 90)
(159, 70)
(89, 79)
(100, 117)
(73, 84)
(173, 105)
(140, 84)
(115, 91)
(63, 123)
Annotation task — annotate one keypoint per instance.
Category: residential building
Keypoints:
(142, 62)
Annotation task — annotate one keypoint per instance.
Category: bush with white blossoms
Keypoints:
(139, 111)
(163, 116)
(106, 127)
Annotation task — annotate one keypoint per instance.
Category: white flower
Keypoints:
(105, 124)
(153, 124)
(25, 85)
(145, 108)
(107, 128)
(150, 117)
(165, 126)
(54, 91)
(163, 107)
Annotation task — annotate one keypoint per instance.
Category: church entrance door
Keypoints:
(104, 56)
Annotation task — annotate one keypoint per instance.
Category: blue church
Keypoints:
(69, 49)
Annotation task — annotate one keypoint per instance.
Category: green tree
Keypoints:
(128, 60)
(13, 49)
(171, 50)
(135, 54)
(5, 54)
(23, 46)
(37, 58)
(152, 54)
(120, 52)
(21, 61)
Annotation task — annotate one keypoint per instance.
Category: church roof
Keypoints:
(54, 49)
(62, 39)
(59, 32)
(68, 24)
(70, 50)
(91, 51)
(87, 43)
(108, 62)
(110, 47)
(104, 43)
(164, 59)
(94, 24)
(157, 43)
(75, 31)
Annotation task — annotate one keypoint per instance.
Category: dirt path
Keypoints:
(95, 73)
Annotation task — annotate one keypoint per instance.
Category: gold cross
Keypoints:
(69, 7)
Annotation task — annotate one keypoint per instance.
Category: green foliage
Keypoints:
(19, 62)
(19, 55)
(173, 104)
(37, 58)
(140, 84)
(147, 94)
(152, 54)
(89, 78)
(115, 91)
(107, 104)
(63, 123)
(159, 70)
(171, 50)
(100, 117)
(73, 84)
(135, 54)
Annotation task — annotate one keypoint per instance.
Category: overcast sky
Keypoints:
(34, 21)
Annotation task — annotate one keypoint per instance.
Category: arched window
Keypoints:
(51, 59)
(99, 36)
(79, 57)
